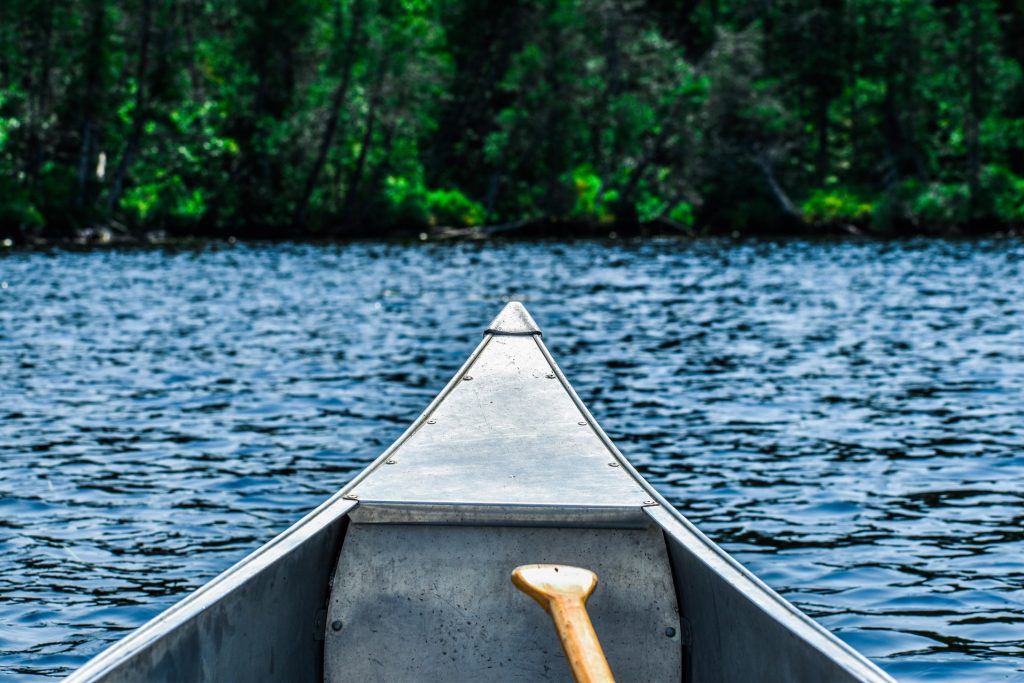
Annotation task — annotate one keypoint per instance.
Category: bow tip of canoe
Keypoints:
(513, 319)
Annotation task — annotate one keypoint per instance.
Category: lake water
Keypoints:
(846, 418)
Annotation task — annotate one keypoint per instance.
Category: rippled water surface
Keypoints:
(847, 419)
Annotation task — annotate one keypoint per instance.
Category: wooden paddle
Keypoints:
(563, 591)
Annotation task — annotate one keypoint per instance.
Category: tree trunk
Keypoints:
(39, 97)
(493, 187)
(553, 137)
(851, 73)
(373, 185)
(139, 114)
(637, 172)
(612, 86)
(973, 118)
(188, 10)
(93, 89)
(821, 113)
(781, 198)
(356, 176)
(475, 78)
(337, 101)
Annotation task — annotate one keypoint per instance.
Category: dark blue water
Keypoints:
(846, 419)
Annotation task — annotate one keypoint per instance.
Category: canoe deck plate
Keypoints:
(436, 603)
(507, 444)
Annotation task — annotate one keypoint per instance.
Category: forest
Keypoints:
(339, 119)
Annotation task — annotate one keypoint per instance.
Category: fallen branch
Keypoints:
(787, 206)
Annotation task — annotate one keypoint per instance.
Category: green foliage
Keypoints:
(1005, 194)
(8, 123)
(682, 213)
(836, 205)
(609, 202)
(452, 208)
(586, 186)
(165, 198)
(408, 204)
(17, 210)
(405, 202)
(649, 206)
(937, 203)
(379, 116)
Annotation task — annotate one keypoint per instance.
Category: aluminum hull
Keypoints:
(276, 615)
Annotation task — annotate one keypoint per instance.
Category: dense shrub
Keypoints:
(1004, 194)
(836, 205)
(451, 207)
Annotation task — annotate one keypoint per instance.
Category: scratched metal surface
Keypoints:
(436, 603)
(507, 434)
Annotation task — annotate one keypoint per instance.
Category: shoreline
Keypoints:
(528, 231)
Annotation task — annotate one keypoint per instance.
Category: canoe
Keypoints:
(404, 574)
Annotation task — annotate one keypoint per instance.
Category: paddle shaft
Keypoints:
(579, 640)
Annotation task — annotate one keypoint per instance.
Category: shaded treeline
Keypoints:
(371, 117)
